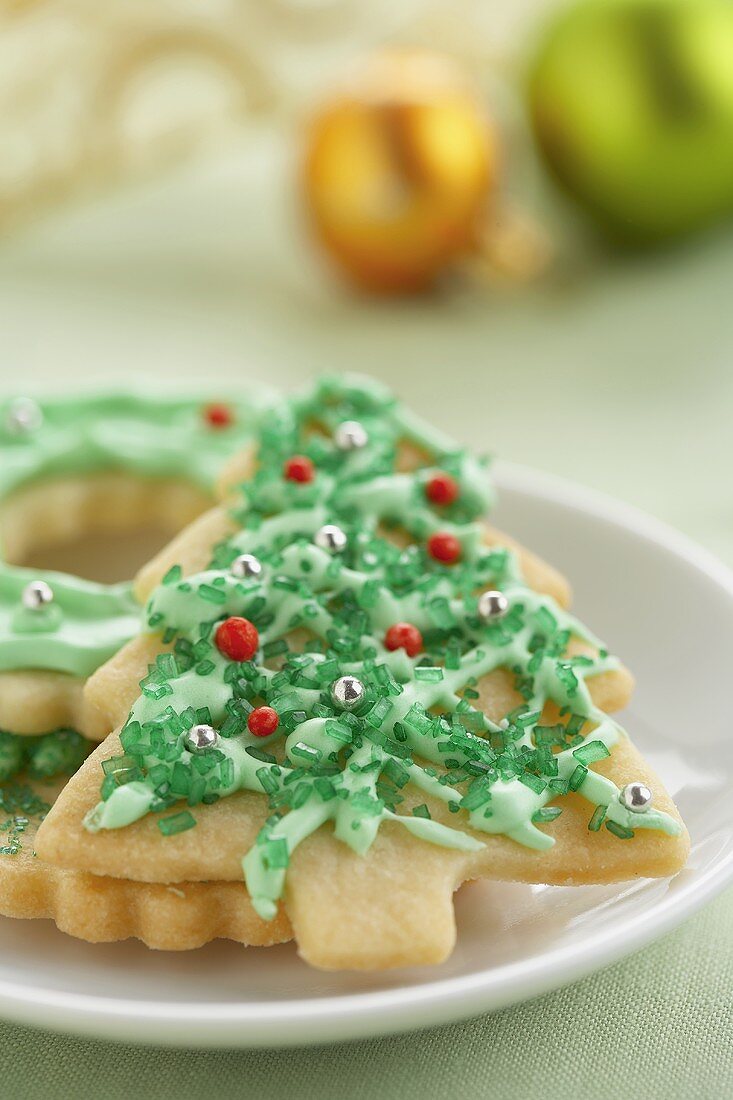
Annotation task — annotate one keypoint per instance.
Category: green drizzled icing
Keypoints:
(84, 626)
(145, 433)
(418, 723)
(150, 435)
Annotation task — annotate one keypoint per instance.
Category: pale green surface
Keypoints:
(656, 1026)
(622, 379)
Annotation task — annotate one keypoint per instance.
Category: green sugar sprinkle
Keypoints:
(546, 814)
(211, 594)
(591, 752)
(173, 575)
(176, 823)
(321, 616)
(578, 777)
(428, 675)
(51, 754)
(478, 795)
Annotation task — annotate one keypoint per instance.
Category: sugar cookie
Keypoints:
(358, 701)
(102, 909)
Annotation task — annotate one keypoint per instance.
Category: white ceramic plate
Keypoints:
(658, 600)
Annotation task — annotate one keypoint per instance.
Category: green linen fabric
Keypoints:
(657, 1026)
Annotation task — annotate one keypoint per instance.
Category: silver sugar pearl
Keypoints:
(350, 436)
(246, 566)
(201, 738)
(492, 605)
(636, 797)
(23, 417)
(331, 539)
(347, 692)
(37, 595)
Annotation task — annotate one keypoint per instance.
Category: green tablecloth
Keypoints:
(659, 1025)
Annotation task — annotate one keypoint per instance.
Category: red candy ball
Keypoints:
(444, 547)
(237, 639)
(404, 636)
(442, 489)
(218, 416)
(299, 468)
(263, 721)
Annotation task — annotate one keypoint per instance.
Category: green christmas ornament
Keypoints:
(632, 105)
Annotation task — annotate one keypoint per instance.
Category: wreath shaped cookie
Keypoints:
(72, 468)
(354, 696)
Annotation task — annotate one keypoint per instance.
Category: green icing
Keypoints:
(418, 724)
(84, 626)
(149, 435)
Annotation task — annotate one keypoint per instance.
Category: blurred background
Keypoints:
(515, 213)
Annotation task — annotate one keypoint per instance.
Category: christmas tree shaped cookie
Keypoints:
(353, 696)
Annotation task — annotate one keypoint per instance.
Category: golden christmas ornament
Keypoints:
(398, 170)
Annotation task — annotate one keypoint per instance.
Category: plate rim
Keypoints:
(338, 1017)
